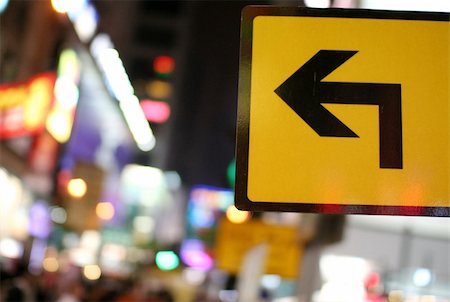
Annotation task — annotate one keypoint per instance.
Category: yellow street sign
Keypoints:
(344, 111)
(285, 246)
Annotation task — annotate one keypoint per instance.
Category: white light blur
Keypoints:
(342, 291)
(21, 222)
(90, 240)
(11, 248)
(173, 180)
(66, 92)
(86, 24)
(193, 276)
(318, 3)
(78, 7)
(85, 21)
(139, 127)
(11, 189)
(422, 277)
(82, 257)
(100, 43)
(3, 176)
(336, 268)
(143, 176)
(144, 224)
(3, 5)
(68, 6)
(61, 6)
(119, 84)
(342, 283)
(271, 282)
(115, 74)
(6, 195)
(58, 215)
(409, 5)
(112, 254)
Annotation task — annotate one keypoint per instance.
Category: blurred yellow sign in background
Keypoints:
(285, 246)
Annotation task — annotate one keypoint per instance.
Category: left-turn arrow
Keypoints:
(304, 92)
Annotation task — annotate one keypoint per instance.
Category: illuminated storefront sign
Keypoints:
(60, 119)
(24, 106)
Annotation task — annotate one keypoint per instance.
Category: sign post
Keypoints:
(344, 111)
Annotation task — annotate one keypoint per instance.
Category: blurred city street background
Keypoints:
(117, 169)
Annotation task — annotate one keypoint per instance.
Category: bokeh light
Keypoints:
(105, 210)
(50, 264)
(144, 224)
(59, 124)
(422, 277)
(77, 187)
(10, 248)
(155, 111)
(237, 216)
(58, 215)
(92, 272)
(167, 260)
(164, 65)
(159, 89)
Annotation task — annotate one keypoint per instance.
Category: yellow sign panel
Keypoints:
(285, 246)
(344, 111)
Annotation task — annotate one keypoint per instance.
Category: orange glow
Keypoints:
(77, 187)
(92, 272)
(237, 216)
(50, 264)
(105, 210)
(159, 89)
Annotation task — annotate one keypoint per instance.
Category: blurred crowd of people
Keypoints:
(19, 285)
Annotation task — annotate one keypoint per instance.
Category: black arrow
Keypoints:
(304, 92)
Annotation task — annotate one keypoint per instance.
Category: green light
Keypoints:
(167, 260)
(231, 173)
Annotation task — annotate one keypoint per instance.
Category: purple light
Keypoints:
(194, 255)
(40, 221)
